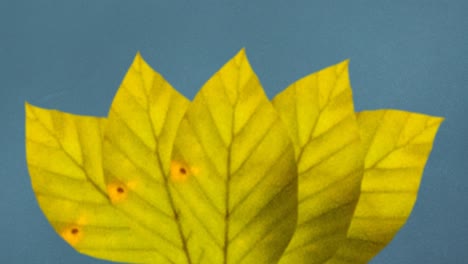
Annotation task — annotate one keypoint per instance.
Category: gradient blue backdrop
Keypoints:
(72, 55)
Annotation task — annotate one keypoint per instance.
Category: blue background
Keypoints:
(72, 55)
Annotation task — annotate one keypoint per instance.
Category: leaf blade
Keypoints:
(63, 154)
(224, 151)
(319, 114)
(397, 145)
(138, 138)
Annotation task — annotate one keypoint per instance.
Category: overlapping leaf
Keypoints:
(318, 112)
(396, 146)
(223, 179)
(234, 171)
(141, 127)
(64, 160)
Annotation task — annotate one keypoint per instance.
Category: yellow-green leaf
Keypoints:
(397, 145)
(233, 171)
(229, 177)
(63, 153)
(138, 140)
(318, 112)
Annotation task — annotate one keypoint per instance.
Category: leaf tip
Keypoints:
(436, 121)
(343, 65)
(346, 62)
(440, 119)
(240, 56)
(138, 55)
(140, 63)
(138, 58)
(28, 107)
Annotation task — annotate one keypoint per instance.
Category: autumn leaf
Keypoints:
(64, 159)
(318, 112)
(226, 178)
(396, 146)
(234, 173)
(141, 127)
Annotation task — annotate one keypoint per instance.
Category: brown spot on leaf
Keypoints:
(117, 192)
(72, 234)
(179, 171)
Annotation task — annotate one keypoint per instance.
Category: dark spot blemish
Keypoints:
(75, 231)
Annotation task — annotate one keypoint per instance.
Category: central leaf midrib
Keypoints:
(227, 188)
(175, 214)
(228, 168)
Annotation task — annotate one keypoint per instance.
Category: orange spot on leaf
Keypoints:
(72, 234)
(117, 192)
(180, 172)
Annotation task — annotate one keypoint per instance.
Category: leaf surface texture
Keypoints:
(318, 112)
(396, 146)
(234, 171)
(230, 177)
(64, 159)
(138, 137)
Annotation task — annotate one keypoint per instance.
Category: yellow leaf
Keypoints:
(138, 140)
(234, 172)
(397, 145)
(228, 177)
(318, 112)
(63, 153)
